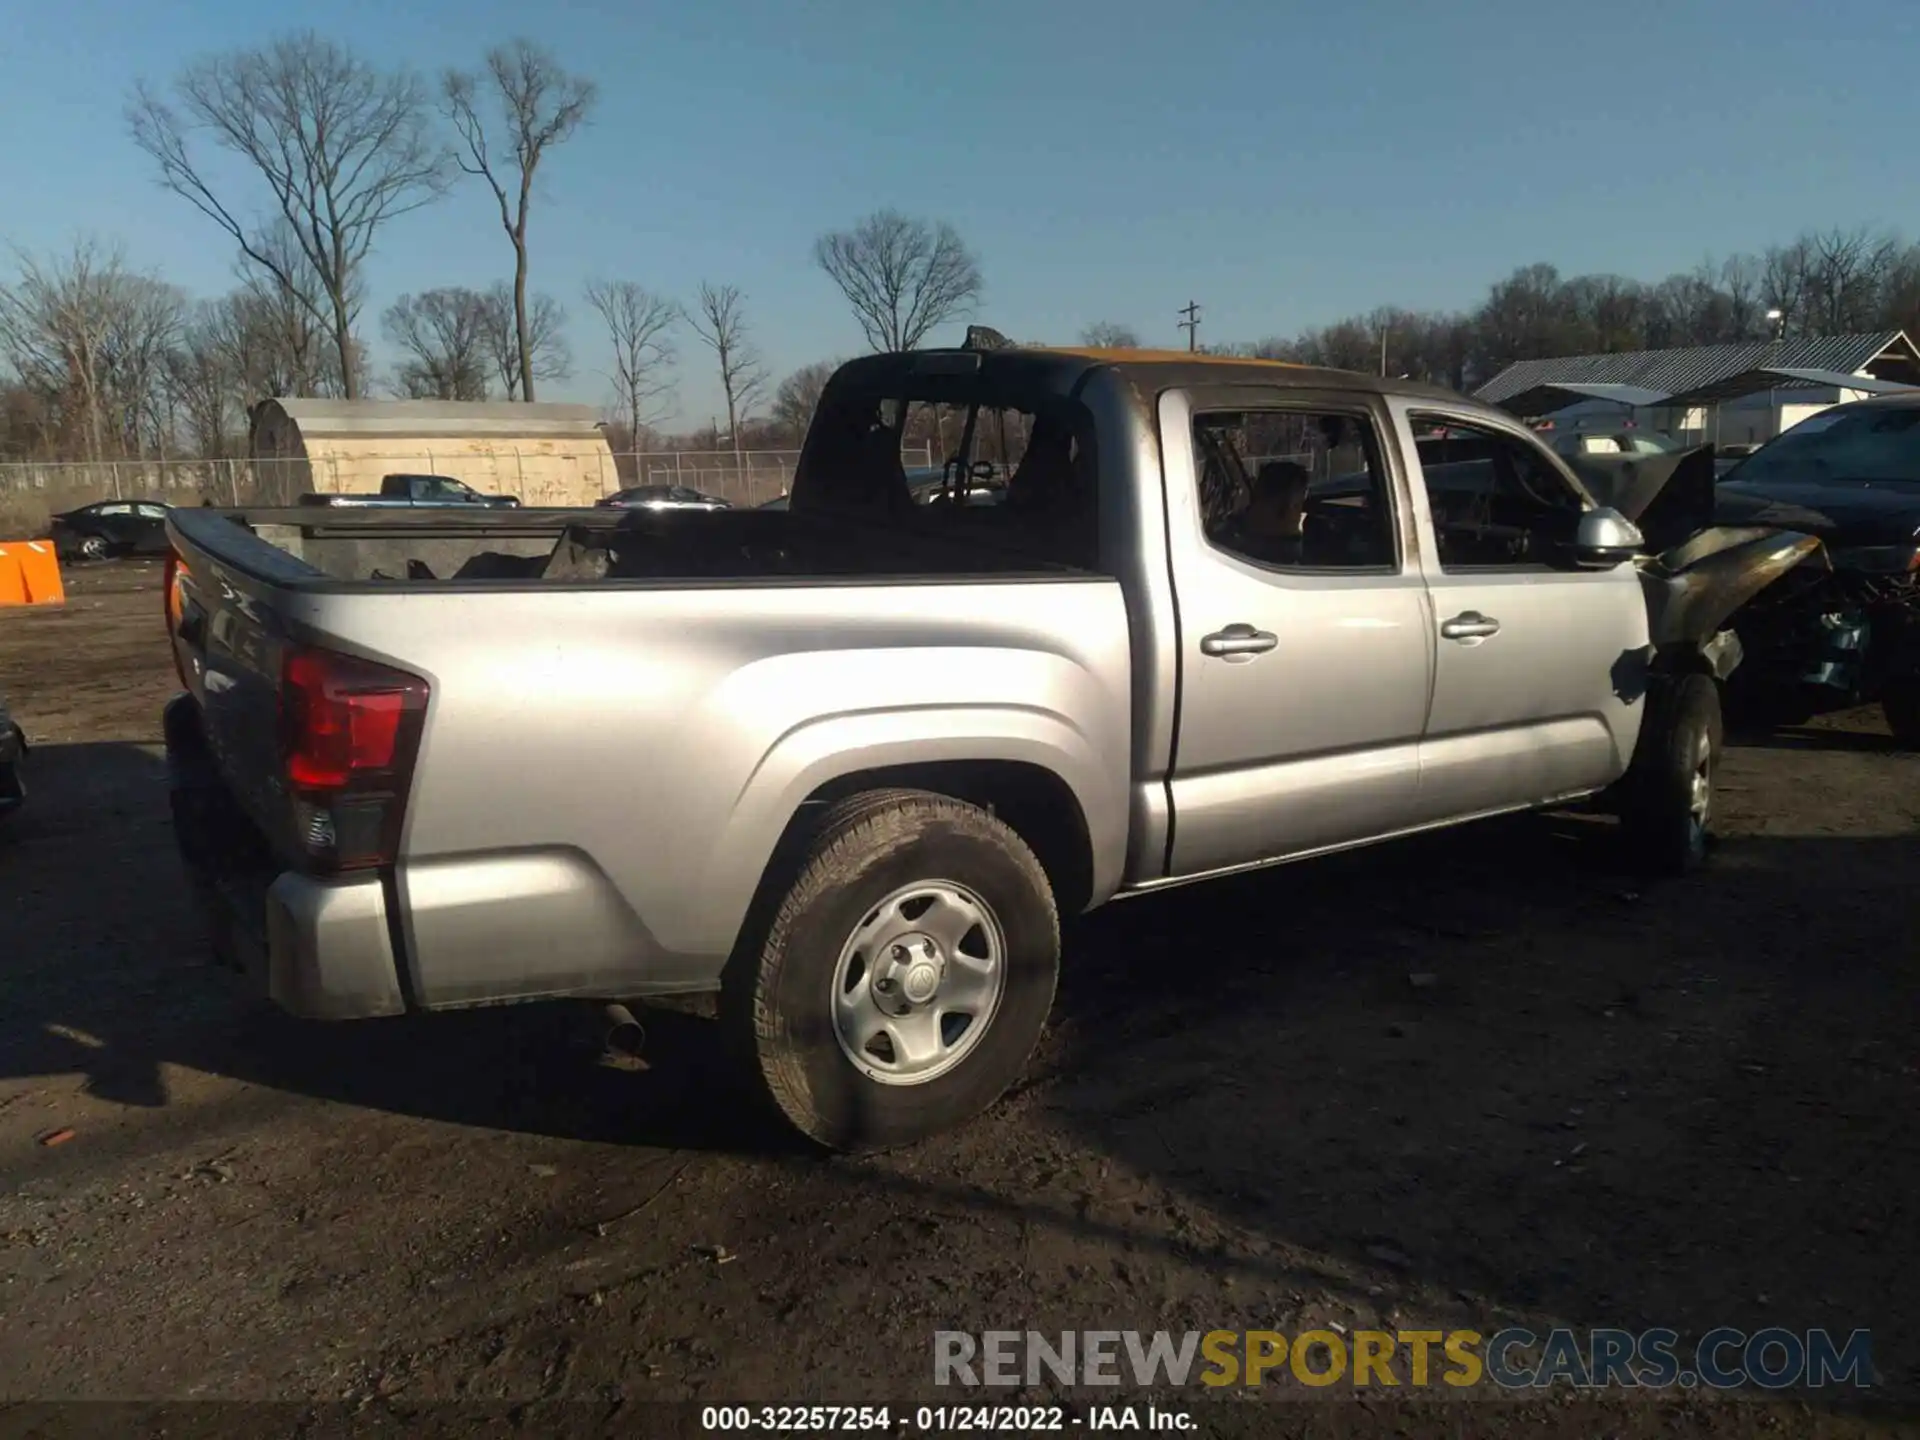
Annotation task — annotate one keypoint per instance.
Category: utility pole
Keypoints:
(1384, 332)
(1191, 324)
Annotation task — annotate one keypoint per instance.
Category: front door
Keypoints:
(1538, 666)
(1305, 636)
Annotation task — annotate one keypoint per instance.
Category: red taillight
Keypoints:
(349, 729)
(342, 718)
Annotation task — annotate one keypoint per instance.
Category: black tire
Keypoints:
(94, 547)
(776, 998)
(1666, 803)
(1901, 705)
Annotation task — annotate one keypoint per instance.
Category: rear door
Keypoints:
(150, 537)
(1537, 664)
(114, 522)
(1304, 658)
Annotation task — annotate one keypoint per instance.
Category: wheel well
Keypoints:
(1040, 807)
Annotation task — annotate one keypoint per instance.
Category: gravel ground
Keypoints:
(1477, 1079)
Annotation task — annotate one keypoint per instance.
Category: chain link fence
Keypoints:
(31, 492)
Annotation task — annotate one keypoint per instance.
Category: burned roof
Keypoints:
(1061, 368)
(1676, 372)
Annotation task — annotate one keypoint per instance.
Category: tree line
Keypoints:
(328, 148)
(299, 154)
(1838, 281)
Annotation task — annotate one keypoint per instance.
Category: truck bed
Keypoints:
(380, 547)
(625, 712)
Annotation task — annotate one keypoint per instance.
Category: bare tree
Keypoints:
(1848, 271)
(540, 106)
(1106, 335)
(88, 336)
(1740, 283)
(798, 396)
(902, 276)
(1786, 284)
(276, 318)
(342, 146)
(146, 329)
(640, 329)
(442, 334)
(205, 380)
(721, 324)
(546, 342)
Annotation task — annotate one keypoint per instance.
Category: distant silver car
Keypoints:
(663, 497)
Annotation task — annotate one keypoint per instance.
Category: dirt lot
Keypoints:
(1688, 1106)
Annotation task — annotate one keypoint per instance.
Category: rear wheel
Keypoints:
(904, 979)
(1666, 802)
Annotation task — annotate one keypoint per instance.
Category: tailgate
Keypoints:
(228, 641)
(316, 744)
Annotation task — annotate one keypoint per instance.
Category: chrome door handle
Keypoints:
(1238, 640)
(1470, 625)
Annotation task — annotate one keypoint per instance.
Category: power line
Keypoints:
(1191, 324)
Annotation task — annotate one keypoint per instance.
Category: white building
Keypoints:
(1727, 394)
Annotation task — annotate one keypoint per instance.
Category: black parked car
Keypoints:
(1846, 631)
(13, 752)
(112, 527)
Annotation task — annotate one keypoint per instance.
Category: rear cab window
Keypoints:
(1295, 489)
(1015, 467)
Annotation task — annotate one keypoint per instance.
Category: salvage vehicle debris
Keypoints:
(1844, 631)
(847, 764)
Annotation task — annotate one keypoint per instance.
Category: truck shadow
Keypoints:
(1479, 1070)
(1820, 737)
(104, 973)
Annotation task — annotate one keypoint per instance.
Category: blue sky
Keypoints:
(1284, 164)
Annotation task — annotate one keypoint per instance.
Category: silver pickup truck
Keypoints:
(846, 764)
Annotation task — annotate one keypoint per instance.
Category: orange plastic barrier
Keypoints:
(30, 574)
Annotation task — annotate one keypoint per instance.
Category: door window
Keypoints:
(1295, 490)
(1498, 501)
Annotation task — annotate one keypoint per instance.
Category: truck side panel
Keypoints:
(605, 773)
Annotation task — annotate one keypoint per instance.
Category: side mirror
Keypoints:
(1605, 538)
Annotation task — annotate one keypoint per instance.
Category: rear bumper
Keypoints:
(320, 949)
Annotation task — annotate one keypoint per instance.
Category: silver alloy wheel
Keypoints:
(93, 547)
(1700, 795)
(918, 982)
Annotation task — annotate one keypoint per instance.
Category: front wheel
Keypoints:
(904, 980)
(1666, 803)
(93, 547)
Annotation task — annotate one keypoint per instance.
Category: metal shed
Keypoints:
(545, 454)
(1885, 355)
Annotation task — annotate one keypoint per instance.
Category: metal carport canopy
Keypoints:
(1543, 399)
(1769, 377)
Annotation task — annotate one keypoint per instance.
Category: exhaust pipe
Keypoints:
(623, 1039)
